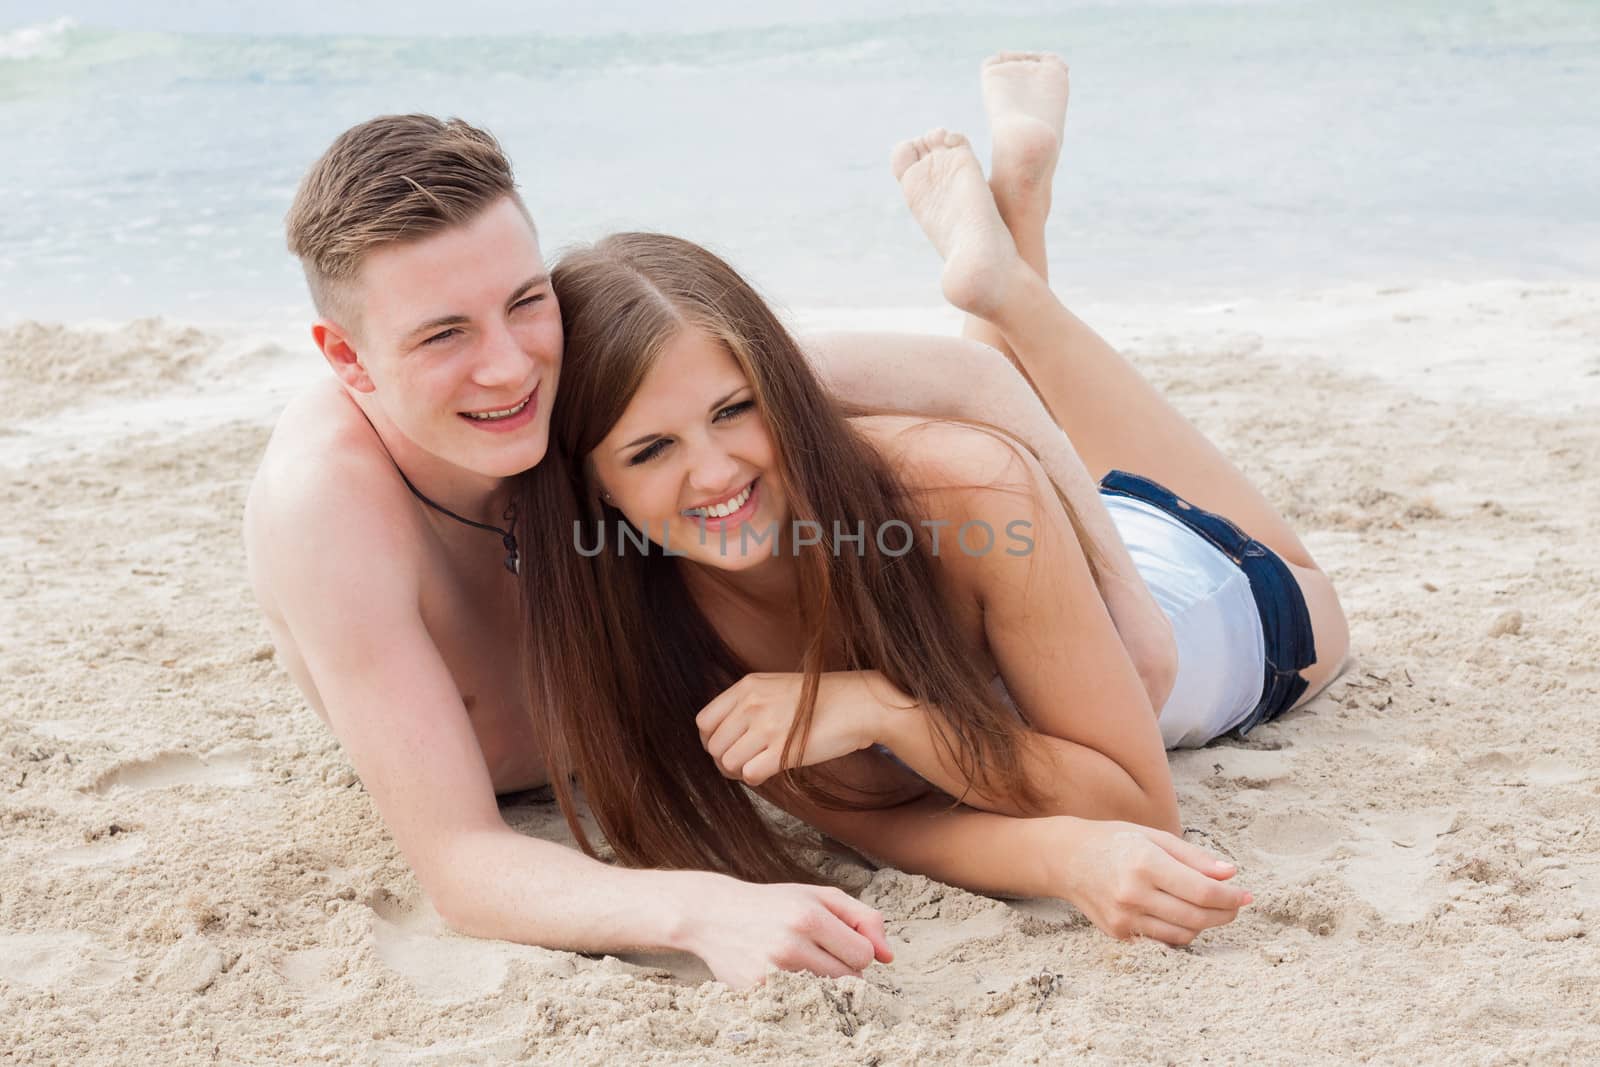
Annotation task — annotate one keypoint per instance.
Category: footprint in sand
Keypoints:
(1394, 868)
(61, 960)
(316, 974)
(1228, 769)
(1543, 770)
(1387, 861)
(1296, 833)
(229, 768)
(1549, 771)
(444, 968)
(106, 852)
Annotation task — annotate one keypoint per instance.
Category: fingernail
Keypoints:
(1223, 865)
(1248, 899)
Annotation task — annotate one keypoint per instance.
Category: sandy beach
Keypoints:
(191, 873)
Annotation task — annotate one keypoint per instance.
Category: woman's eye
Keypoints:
(733, 411)
(646, 454)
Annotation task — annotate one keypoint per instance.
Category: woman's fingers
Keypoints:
(1189, 885)
(764, 766)
(742, 751)
(712, 715)
(1194, 856)
(1181, 913)
(726, 736)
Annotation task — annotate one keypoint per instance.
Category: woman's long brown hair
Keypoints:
(622, 659)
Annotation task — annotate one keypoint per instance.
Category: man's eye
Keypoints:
(442, 335)
(646, 454)
(733, 411)
(528, 301)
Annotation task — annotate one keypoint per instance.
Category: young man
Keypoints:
(378, 537)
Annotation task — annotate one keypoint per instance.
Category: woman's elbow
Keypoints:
(1155, 807)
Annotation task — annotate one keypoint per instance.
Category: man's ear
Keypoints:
(339, 350)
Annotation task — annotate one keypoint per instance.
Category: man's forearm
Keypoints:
(507, 886)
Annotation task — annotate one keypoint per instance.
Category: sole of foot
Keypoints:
(944, 186)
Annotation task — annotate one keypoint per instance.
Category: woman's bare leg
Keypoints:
(1025, 96)
(1115, 418)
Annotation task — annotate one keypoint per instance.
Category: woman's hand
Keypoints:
(744, 931)
(745, 727)
(1134, 881)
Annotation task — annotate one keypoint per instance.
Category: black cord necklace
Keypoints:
(507, 538)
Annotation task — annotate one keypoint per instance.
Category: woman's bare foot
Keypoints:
(1025, 95)
(944, 187)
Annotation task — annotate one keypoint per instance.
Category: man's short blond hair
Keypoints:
(390, 179)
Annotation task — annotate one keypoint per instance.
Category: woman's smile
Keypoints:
(729, 512)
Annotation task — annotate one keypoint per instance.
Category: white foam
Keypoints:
(45, 40)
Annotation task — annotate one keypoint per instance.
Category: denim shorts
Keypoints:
(1285, 621)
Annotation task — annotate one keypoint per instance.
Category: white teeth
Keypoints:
(728, 507)
(504, 413)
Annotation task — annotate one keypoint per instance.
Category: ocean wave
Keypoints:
(64, 44)
(47, 40)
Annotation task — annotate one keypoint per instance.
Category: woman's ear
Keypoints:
(591, 478)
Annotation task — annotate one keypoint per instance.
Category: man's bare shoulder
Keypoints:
(944, 454)
(325, 487)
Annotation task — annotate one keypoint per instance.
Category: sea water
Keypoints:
(150, 151)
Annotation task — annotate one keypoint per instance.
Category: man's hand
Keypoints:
(744, 728)
(1134, 881)
(744, 931)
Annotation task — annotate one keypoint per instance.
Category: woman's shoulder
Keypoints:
(931, 454)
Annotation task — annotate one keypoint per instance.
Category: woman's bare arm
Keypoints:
(1129, 880)
(952, 377)
(1094, 749)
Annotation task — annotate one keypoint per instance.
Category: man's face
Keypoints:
(461, 337)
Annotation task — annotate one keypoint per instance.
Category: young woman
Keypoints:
(891, 627)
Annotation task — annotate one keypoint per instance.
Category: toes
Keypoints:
(1023, 57)
(1011, 57)
(1037, 58)
(907, 154)
(903, 156)
(939, 137)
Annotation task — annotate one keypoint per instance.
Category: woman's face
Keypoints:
(691, 463)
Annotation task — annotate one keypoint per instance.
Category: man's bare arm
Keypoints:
(343, 571)
(956, 377)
